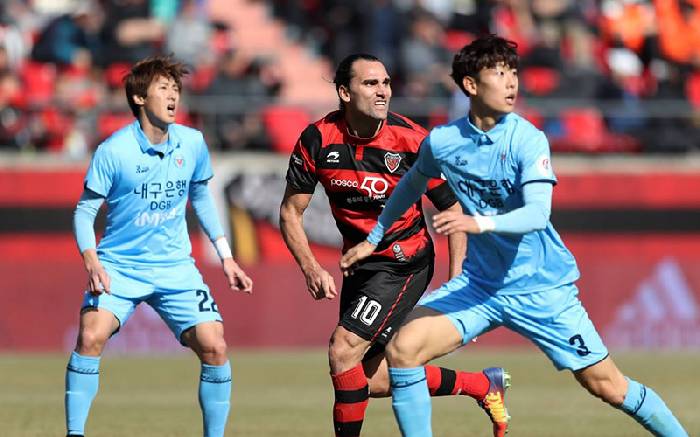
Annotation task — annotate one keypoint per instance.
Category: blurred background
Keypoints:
(615, 84)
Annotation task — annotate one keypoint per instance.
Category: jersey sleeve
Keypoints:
(203, 170)
(102, 171)
(426, 163)
(301, 173)
(440, 194)
(535, 162)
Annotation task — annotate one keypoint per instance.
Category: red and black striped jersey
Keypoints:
(359, 174)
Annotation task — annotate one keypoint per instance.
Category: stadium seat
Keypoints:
(540, 81)
(454, 39)
(692, 89)
(108, 123)
(114, 74)
(584, 128)
(39, 80)
(283, 125)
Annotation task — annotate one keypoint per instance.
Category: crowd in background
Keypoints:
(596, 75)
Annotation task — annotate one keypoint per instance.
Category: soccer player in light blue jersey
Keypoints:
(517, 273)
(146, 172)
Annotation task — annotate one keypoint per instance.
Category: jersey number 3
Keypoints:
(581, 347)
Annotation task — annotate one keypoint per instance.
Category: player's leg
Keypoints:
(444, 320)
(350, 385)
(427, 334)
(99, 319)
(605, 381)
(195, 320)
(372, 306)
(441, 381)
(207, 341)
(559, 325)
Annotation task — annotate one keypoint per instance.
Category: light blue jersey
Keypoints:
(146, 188)
(487, 172)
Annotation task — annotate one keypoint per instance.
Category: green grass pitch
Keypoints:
(280, 393)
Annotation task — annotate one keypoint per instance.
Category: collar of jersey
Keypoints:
(361, 140)
(165, 148)
(492, 135)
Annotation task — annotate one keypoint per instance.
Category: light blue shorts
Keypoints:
(555, 320)
(179, 309)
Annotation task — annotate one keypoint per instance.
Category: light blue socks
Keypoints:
(215, 398)
(647, 408)
(410, 399)
(82, 381)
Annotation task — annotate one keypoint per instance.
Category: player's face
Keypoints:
(494, 89)
(369, 91)
(162, 98)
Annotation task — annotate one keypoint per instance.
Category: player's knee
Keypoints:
(214, 351)
(343, 352)
(402, 351)
(91, 342)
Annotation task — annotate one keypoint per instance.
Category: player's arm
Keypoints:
(407, 192)
(456, 246)
(532, 216)
(444, 199)
(84, 231)
(204, 208)
(319, 282)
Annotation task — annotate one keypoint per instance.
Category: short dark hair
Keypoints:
(136, 82)
(343, 74)
(484, 52)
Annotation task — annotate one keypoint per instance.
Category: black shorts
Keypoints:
(374, 304)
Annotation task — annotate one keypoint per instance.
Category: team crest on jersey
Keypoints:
(544, 166)
(392, 161)
(179, 161)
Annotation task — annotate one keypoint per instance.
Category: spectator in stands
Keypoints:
(71, 39)
(235, 123)
(188, 36)
(130, 33)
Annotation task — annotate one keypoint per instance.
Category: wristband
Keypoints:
(486, 224)
(222, 248)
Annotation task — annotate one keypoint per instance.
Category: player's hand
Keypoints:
(355, 255)
(319, 283)
(237, 279)
(98, 279)
(449, 222)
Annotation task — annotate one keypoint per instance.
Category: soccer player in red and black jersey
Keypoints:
(358, 154)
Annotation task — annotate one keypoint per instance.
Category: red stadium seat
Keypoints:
(454, 40)
(692, 89)
(584, 128)
(108, 123)
(585, 131)
(114, 74)
(283, 125)
(38, 80)
(540, 81)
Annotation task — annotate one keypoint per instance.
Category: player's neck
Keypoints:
(365, 128)
(484, 120)
(156, 133)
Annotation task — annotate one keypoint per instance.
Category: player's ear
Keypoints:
(344, 94)
(139, 100)
(469, 84)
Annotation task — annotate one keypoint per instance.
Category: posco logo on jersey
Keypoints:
(375, 187)
(343, 183)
